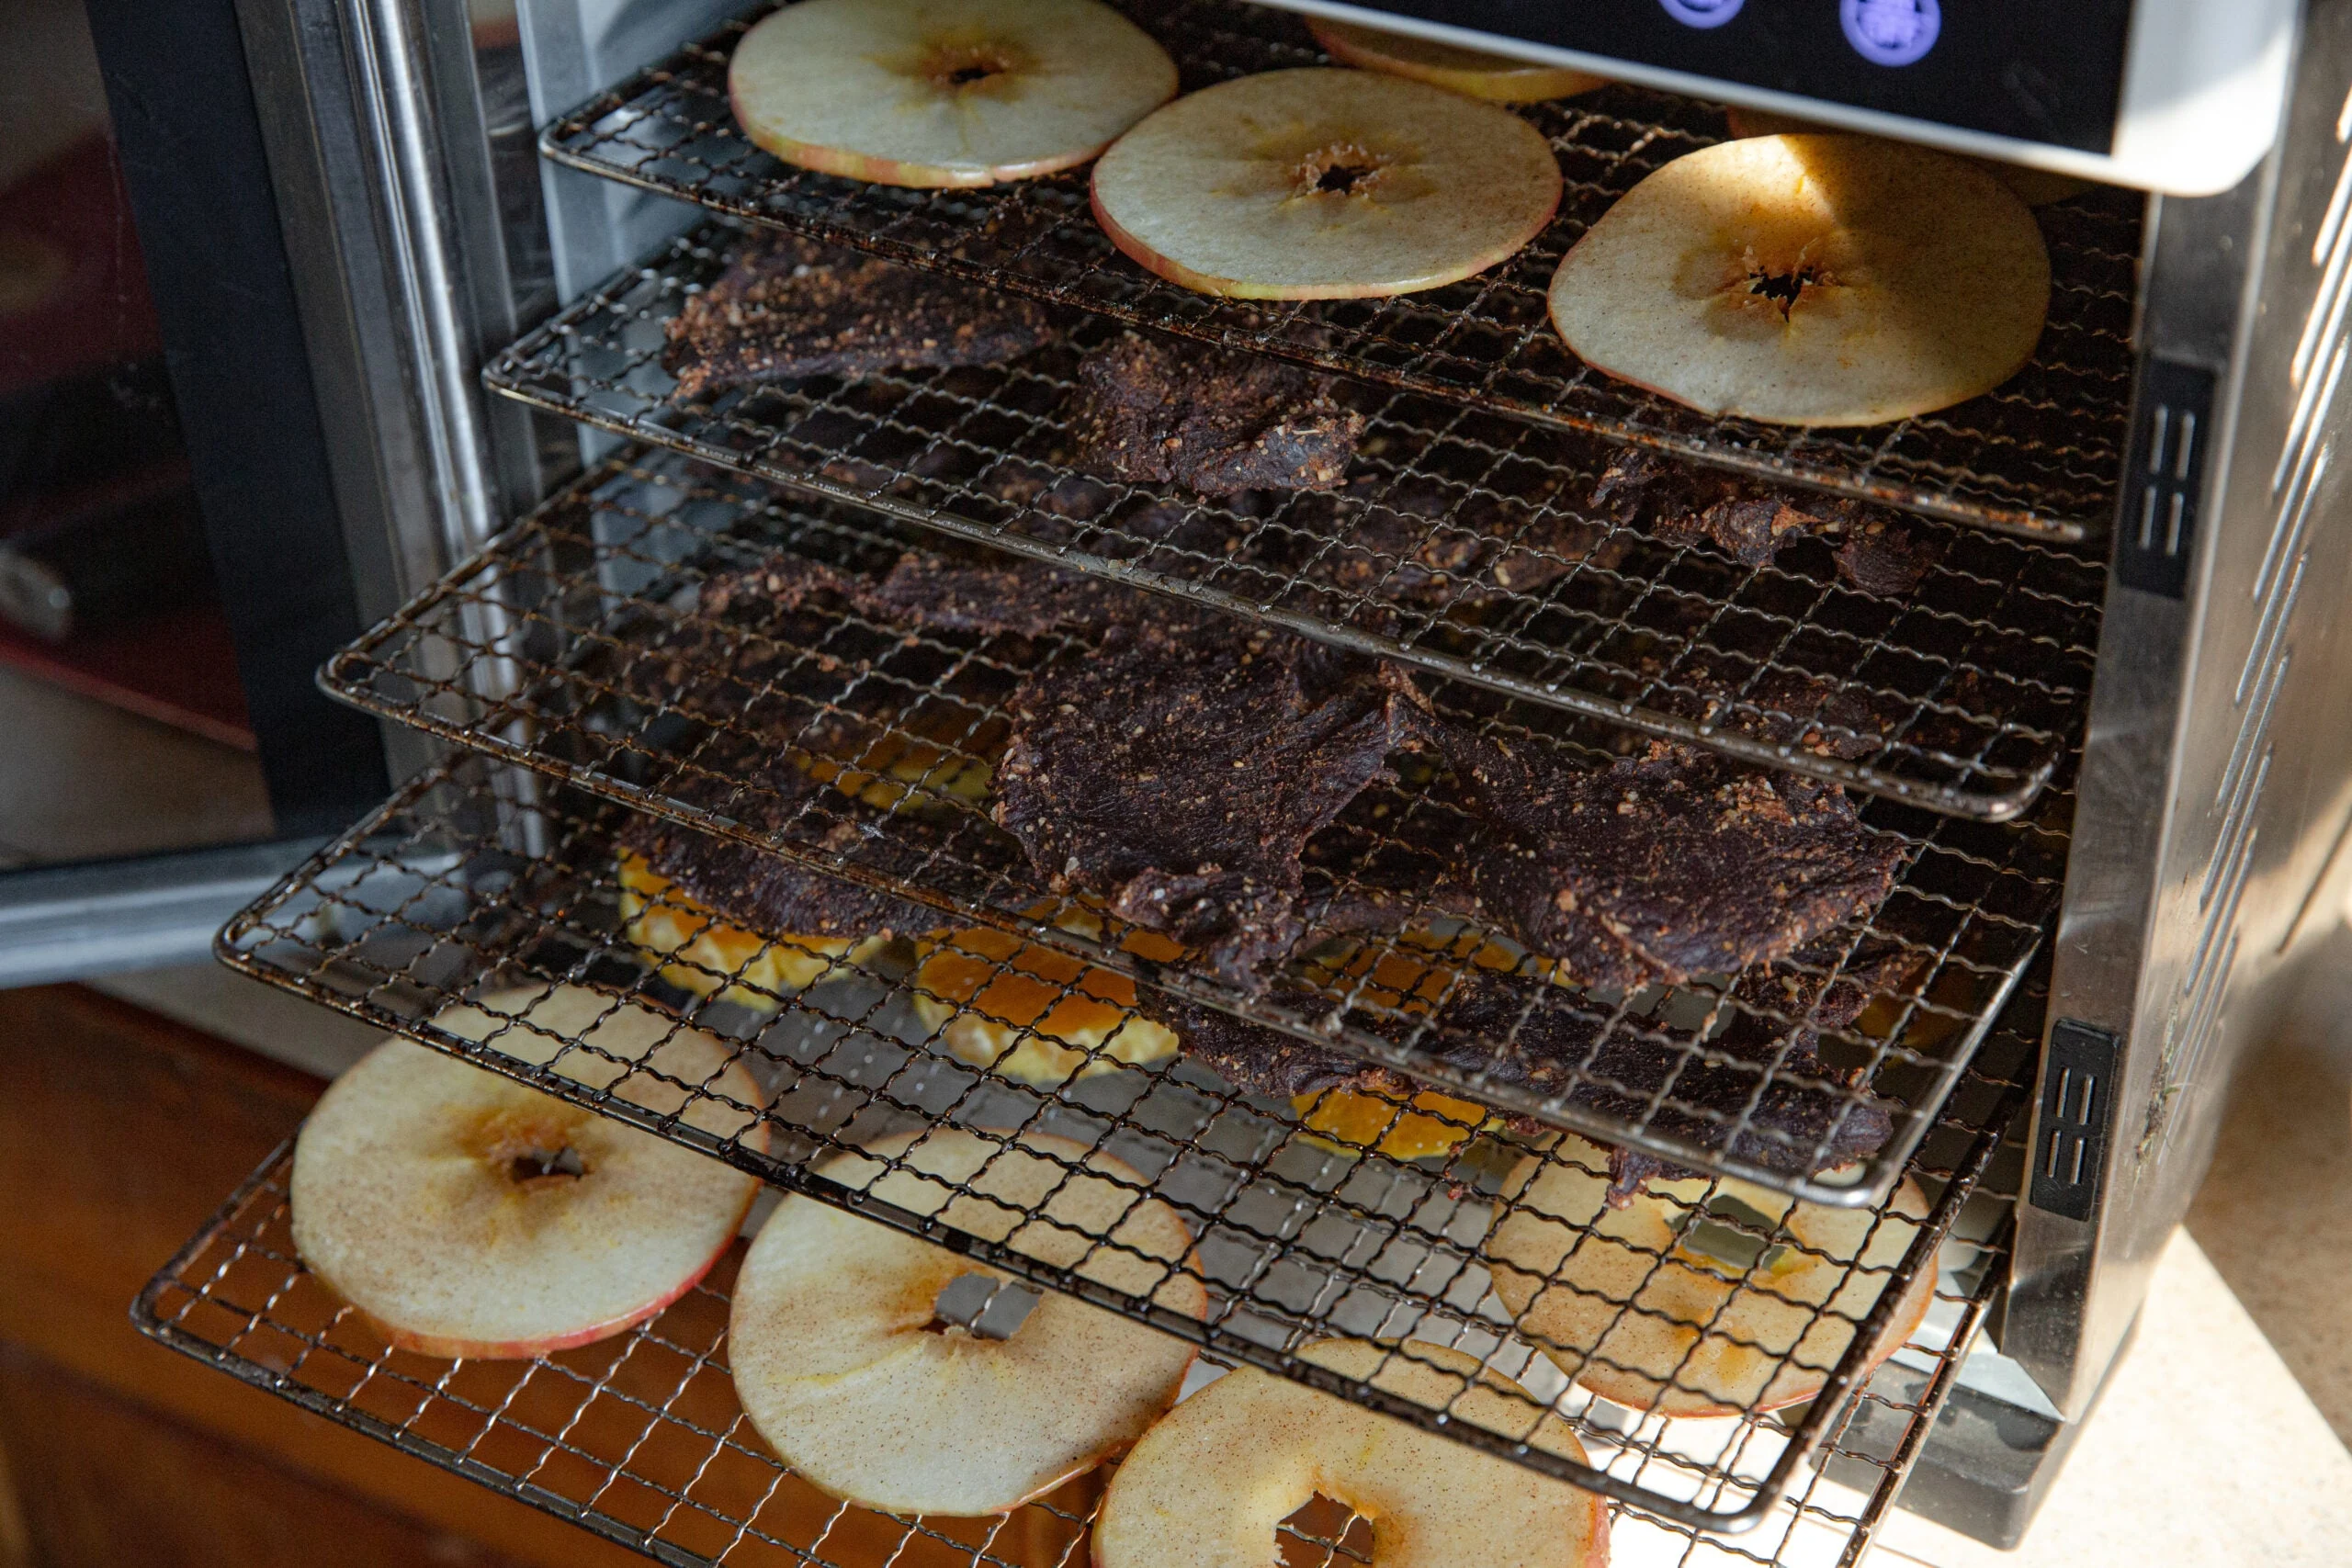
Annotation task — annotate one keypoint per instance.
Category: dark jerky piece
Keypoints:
(1824, 1118)
(787, 308)
(1151, 411)
(1178, 774)
(1683, 504)
(753, 782)
(1019, 597)
(1025, 598)
(1882, 557)
(1751, 522)
(1666, 865)
(1261, 1061)
(1788, 707)
(766, 894)
(1536, 1039)
(1418, 542)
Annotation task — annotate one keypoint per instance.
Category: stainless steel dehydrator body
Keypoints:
(2115, 769)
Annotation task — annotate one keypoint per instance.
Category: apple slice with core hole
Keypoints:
(944, 91)
(468, 1216)
(1470, 72)
(1322, 184)
(1699, 1298)
(1209, 1484)
(1810, 280)
(872, 1388)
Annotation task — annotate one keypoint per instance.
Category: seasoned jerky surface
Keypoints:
(1522, 1035)
(1664, 866)
(1152, 410)
(1019, 597)
(1751, 522)
(1179, 772)
(767, 895)
(1419, 542)
(787, 308)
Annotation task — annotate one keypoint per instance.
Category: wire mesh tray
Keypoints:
(1465, 545)
(640, 1438)
(455, 888)
(2042, 454)
(583, 618)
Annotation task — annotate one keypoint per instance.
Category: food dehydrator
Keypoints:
(2100, 733)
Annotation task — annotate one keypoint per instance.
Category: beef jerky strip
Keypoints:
(1750, 521)
(766, 894)
(1178, 774)
(1152, 410)
(1666, 866)
(1781, 707)
(787, 308)
(1807, 1119)
(1416, 542)
(1017, 597)
(1799, 1123)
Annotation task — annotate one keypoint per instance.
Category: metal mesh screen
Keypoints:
(459, 887)
(584, 621)
(2041, 453)
(1962, 695)
(640, 1440)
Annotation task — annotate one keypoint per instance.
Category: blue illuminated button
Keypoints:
(1702, 13)
(1891, 32)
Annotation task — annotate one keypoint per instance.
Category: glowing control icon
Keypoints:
(1891, 32)
(1702, 13)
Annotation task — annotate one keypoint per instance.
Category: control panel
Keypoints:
(2179, 96)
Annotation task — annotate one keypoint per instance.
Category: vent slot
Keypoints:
(2077, 1103)
(2164, 477)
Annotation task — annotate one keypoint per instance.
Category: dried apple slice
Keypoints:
(1699, 1298)
(1470, 72)
(845, 1363)
(944, 91)
(1324, 184)
(1811, 280)
(468, 1215)
(2035, 187)
(1211, 1483)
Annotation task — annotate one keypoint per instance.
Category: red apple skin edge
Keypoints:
(1151, 261)
(449, 1347)
(885, 172)
(1596, 1554)
(1891, 1339)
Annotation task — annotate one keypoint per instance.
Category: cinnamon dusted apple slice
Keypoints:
(854, 1363)
(1811, 280)
(1320, 184)
(1470, 72)
(1698, 1298)
(944, 91)
(468, 1215)
(1211, 1482)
